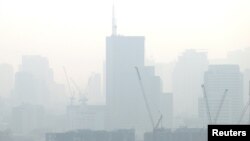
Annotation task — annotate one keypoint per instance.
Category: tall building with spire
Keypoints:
(124, 98)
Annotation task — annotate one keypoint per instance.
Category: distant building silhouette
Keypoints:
(217, 79)
(187, 79)
(246, 91)
(6, 86)
(165, 71)
(34, 83)
(25, 90)
(6, 80)
(27, 118)
(166, 108)
(94, 89)
(85, 117)
(240, 56)
(246, 78)
(123, 95)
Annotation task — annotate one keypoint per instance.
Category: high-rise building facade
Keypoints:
(125, 103)
(94, 89)
(123, 53)
(187, 79)
(27, 118)
(6, 79)
(33, 80)
(34, 83)
(217, 80)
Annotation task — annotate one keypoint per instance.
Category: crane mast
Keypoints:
(220, 106)
(243, 112)
(69, 87)
(206, 101)
(245, 109)
(83, 98)
(207, 105)
(158, 122)
(145, 97)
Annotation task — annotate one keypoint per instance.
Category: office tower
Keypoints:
(84, 116)
(38, 66)
(217, 79)
(123, 95)
(166, 108)
(165, 71)
(94, 91)
(27, 118)
(34, 82)
(240, 56)
(126, 107)
(187, 79)
(6, 80)
(6, 85)
(246, 85)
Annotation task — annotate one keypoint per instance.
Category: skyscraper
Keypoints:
(34, 82)
(123, 53)
(6, 79)
(125, 103)
(27, 118)
(94, 89)
(38, 66)
(187, 79)
(217, 79)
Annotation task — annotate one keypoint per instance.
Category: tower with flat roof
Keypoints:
(125, 104)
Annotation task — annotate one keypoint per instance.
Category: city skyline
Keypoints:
(61, 33)
(60, 81)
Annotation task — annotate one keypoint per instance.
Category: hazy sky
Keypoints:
(71, 33)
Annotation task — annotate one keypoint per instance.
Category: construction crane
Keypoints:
(145, 98)
(220, 106)
(72, 98)
(154, 126)
(245, 109)
(158, 122)
(243, 112)
(206, 100)
(83, 98)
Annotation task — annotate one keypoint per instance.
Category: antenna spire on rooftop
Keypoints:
(114, 26)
